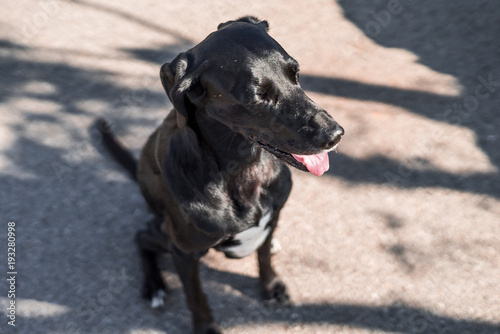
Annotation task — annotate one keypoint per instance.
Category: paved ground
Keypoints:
(402, 236)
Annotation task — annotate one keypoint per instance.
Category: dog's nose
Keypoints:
(329, 139)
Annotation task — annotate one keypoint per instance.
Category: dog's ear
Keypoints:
(182, 87)
(247, 19)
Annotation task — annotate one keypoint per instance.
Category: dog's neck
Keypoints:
(233, 152)
(240, 163)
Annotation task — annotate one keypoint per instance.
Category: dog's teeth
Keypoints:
(157, 300)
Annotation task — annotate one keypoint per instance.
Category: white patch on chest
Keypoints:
(251, 239)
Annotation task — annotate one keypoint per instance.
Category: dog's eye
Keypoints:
(292, 72)
(266, 91)
(297, 77)
(262, 95)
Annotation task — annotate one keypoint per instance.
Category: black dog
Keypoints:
(213, 172)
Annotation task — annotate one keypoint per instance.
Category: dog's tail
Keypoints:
(121, 154)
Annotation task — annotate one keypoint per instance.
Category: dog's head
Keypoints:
(243, 78)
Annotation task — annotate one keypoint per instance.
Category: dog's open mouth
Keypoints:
(315, 163)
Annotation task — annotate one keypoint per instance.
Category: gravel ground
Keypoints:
(401, 236)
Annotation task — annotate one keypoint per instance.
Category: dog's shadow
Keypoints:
(215, 281)
(239, 304)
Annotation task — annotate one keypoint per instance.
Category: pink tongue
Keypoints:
(316, 164)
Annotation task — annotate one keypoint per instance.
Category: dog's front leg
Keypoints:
(272, 286)
(187, 265)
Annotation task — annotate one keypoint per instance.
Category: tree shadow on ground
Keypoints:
(73, 223)
(382, 170)
(454, 37)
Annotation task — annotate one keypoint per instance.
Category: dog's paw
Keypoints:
(276, 292)
(275, 246)
(213, 328)
(158, 299)
(154, 295)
